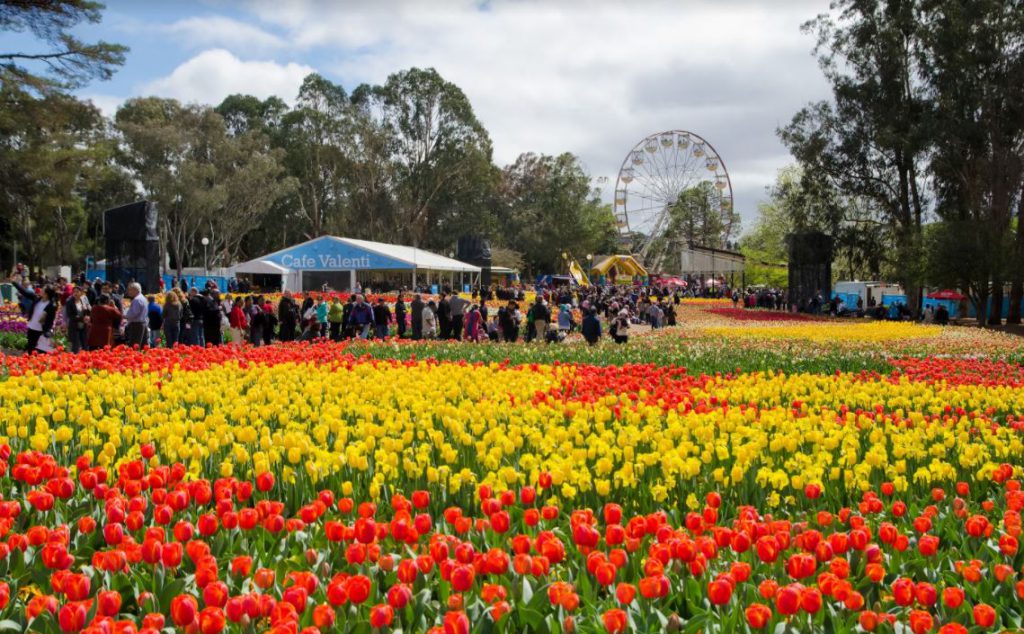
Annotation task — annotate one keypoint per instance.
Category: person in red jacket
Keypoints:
(238, 322)
(104, 319)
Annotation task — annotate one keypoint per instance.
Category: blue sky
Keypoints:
(592, 78)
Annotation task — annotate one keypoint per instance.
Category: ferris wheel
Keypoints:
(653, 175)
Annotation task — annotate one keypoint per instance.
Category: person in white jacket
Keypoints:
(430, 320)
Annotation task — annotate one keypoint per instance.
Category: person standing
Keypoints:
(381, 318)
(76, 311)
(619, 329)
(506, 323)
(41, 311)
(336, 317)
(429, 318)
(269, 323)
(185, 319)
(172, 318)
(198, 306)
(238, 322)
(213, 314)
(416, 316)
(443, 312)
(473, 324)
(361, 317)
(458, 307)
(287, 316)
(137, 317)
(400, 316)
(541, 318)
(156, 320)
(591, 327)
(347, 331)
(104, 318)
(256, 323)
(322, 309)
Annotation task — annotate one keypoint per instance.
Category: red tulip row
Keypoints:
(988, 372)
(143, 547)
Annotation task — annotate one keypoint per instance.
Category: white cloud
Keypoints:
(214, 74)
(591, 78)
(108, 104)
(223, 32)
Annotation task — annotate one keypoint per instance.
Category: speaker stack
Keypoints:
(133, 245)
(476, 250)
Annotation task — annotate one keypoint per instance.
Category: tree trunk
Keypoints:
(995, 315)
(1017, 268)
(1016, 295)
(980, 300)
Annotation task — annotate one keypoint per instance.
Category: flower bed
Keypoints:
(440, 487)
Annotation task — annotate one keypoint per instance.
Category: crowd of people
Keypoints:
(101, 314)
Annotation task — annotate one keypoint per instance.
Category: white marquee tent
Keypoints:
(325, 258)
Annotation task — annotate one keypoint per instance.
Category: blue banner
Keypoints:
(330, 254)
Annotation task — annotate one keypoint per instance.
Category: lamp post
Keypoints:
(206, 265)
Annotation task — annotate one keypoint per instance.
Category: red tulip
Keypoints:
(108, 603)
(787, 600)
(462, 578)
(921, 622)
(420, 499)
(625, 593)
(71, 617)
(171, 554)
(265, 481)
(903, 591)
(211, 620)
(381, 615)
(984, 615)
(358, 589)
(76, 587)
(184, 609)
(456, 623)
(758, 615)
(719, 592)
(615, 621)
(323, 616)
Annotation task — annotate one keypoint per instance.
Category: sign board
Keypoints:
(328, 254)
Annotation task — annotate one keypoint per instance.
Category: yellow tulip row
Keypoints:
(372, 426)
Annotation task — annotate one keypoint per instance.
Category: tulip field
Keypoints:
(743, 472)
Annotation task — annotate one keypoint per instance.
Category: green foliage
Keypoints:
(973, 55)
(56, 168)
(63, 61)
(547, 207)
(439, 155)
(871, 141)
(205, 182)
